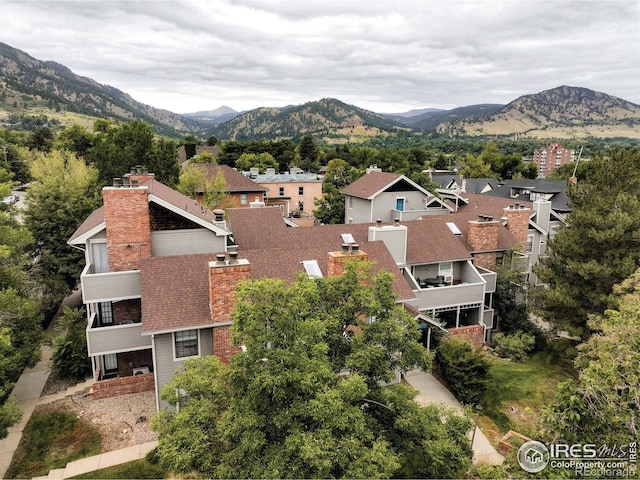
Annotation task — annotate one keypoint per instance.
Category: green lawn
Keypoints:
(51, 440)
(518, 391)
(136, 469)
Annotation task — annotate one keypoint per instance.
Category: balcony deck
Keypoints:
(116, 338)
(112, 286)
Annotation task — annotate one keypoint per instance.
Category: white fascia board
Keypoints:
(82, 239)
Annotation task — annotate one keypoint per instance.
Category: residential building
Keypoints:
(387, 196)
(293, 193)
(243, 192)
(549, 158)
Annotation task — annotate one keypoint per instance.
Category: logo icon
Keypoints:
(533, 456)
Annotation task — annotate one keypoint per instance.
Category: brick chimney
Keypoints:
(482, 236)
(224, 276)
(336, 260)
(138, 175)
(128, 225)
(517, 216)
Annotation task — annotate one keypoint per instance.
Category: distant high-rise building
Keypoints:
(549, 158)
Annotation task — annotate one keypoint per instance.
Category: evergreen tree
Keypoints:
(599, 247)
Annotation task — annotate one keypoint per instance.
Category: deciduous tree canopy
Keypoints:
(304, 400)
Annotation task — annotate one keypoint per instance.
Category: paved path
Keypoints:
(432, 391)
(27, 392)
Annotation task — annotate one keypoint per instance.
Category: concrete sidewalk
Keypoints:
(108, 459)
(432, 391)
(26, 392)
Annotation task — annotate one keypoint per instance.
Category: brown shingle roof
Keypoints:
(175, 290)
(236, 182)
(92, 221)
(370, 183)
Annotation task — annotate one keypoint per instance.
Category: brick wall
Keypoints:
(127, 361)
(123, 386)
(471, 333)
(482, 236)
(336, 261)
(126, 213)
(223, 348)
(224, 276)
(518, 223)
(126, 310)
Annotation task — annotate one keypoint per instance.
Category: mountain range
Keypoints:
(33, 87)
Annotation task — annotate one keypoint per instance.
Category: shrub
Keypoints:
(70, 347)
(515, 346)
(464, 369)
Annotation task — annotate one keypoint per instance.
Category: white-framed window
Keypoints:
(529, 243)
(400, 204)
(186, 344)
(445, 268)
(243, 199)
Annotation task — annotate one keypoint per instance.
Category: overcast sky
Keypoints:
(386, 56)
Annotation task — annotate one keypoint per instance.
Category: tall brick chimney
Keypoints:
(482, 236)
(224, 276)
(517, 216)
(128, 225)
(336, 260)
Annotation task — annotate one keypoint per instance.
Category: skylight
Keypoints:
(454, 228)
(312, 268)
(347, 238)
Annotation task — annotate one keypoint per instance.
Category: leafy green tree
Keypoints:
(119, 148)
(304, 399)
(194, 182)
(476, 167)
(63, 193)
(600, 246)
(75, 139)
(204, 157)
(465, 369)
(212, 140)
(604, 406)
(330, 207)
(10, 414)
(261, 161)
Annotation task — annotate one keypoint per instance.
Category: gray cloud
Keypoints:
(382, 55)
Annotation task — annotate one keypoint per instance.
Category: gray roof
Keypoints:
(556, 188)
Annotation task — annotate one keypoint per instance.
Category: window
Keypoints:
(186, 344)
(300, 190)
(105, 314)
(529, 243)
(445, 269)
(243, 199)
(281, 191)
(400, 204)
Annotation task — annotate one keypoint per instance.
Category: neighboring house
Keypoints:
(550, 206)
(243, 191)
(386, 196)
(293, 193)
(468, 185)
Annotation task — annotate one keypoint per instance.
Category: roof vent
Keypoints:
(354, 248)
(116, 182)
(379, 221)
(396, 221)
(220, 258)
(219, 215)
(134, 182)
(233, 257)
(345, 247)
